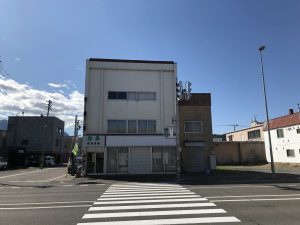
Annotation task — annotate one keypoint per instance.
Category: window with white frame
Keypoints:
(298, 131)
(116, 126)
(280, 133)
(131, 126)
(253, 134)
(193, 126)
(146, 126)
(132, 96)
(290, 153)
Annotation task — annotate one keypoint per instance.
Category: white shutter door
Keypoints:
(140, 161)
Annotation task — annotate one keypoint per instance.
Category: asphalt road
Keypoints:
(34, 196)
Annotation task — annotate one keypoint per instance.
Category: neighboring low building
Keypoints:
(195, 129)
(285, 138)
(2, 138)
(219, 137)
(252, 133)
(35, 134)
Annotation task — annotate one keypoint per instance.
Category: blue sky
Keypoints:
(214, 43)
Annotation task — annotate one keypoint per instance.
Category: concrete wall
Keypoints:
(231, 153)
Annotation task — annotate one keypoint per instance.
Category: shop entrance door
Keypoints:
(95, 162)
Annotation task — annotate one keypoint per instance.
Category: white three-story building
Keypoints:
(130, 105)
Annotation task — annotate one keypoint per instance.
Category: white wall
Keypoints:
(291, 140)
(116, 76)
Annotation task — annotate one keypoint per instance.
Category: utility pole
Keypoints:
(298, 107)
(261, 48)
(76, 128)
(49, 108)
(181, 94)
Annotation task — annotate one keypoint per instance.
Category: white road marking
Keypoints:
(13, 175)
(146, 188)
(45, 203)
(147, 194)
(67, 185)
(232, 187)
(144, 185)
(249, 196)
(100, 184)
(151, 206)
(150, 197)
(151, 201)
(256, 199)
(35, 181)
(169, 221)
(173, 200)
(15, 187)
(48, 207)
(153, 213)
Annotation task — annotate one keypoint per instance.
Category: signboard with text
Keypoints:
(94, 140)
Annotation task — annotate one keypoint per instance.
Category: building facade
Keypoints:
(35, 134)
(252, 133)
(285, 138)
(196, 139)
(130, 105)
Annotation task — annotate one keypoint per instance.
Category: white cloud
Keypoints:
(58, 85)
(79, 69)
(18, 59)
(70, 84)
(22, 97)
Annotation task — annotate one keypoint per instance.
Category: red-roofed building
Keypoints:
(285, 137)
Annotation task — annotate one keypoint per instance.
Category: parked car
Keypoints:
(78, 164)
(32, 160)
(3, 163)
(49, 161)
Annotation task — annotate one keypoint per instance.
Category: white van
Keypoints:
(49, 161)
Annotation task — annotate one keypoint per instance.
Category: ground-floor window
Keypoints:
(117, 160)
(164, 159)
(95, 162)
(290, 153)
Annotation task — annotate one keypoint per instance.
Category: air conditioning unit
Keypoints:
(170, 132)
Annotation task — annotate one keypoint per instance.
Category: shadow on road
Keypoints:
(218, 177)
(23, 186)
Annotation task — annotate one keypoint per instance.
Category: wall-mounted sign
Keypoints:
(94, 141)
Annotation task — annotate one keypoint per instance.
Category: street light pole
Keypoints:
(261, 48)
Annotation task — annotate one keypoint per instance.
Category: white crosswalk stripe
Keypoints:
(153, 204)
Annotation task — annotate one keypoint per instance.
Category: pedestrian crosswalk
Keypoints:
(153, 204)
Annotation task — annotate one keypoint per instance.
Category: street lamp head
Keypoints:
(261, 48)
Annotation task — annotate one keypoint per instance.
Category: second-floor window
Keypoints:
(280, 133)
(116, 126)
(253, 134)
(193, 126)
(131, 126)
